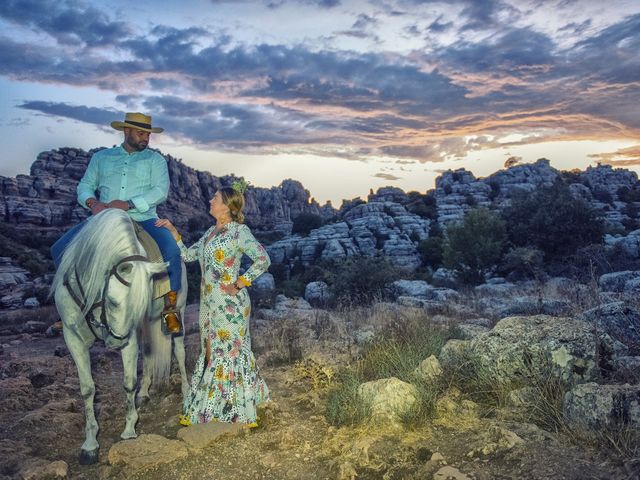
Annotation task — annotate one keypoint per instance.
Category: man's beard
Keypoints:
(140, 146)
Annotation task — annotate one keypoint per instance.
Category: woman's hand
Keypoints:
(163, 222)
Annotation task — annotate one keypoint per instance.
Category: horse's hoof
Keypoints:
(89, 457)
(128, 436)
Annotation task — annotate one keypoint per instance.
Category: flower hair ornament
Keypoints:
(240, 185)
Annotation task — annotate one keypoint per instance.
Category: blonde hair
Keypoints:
(235, 201)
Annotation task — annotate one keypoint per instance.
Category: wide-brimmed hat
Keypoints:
(137, 120)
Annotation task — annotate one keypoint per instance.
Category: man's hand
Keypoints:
(97, 207)
(121, 204)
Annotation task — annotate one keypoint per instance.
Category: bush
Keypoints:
(474, 246)
(363, 279)
(395, 352)
(422, 205)
(305, 222)
(523, 262)
(431, 251)
(553, 221)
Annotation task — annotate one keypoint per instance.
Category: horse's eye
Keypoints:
(111, 303)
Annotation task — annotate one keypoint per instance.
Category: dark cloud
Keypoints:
(438, 27)
(92, 115)
(514, 52)
(610, 55)
(386, 176)
(70, 22)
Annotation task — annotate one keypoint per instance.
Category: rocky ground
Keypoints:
(42, 423)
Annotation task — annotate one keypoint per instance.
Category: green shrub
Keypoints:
(553, 221)
(474, 246)
(344, 406)
(305, 222)
(362, 279)
(431, 251)
(395, 352)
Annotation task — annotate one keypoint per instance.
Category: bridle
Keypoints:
(80, 300)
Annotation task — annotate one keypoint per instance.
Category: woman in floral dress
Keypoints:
(226, 385)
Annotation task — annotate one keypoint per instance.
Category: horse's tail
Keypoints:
(157, 346)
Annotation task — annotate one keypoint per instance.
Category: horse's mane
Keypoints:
(106, 238)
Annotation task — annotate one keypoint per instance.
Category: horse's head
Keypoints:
(110, 268)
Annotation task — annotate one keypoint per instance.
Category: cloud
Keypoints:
(624, 157)
(386, 176)
(92, 115)
(212, 89)
(70, 22)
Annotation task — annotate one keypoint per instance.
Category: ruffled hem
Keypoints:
(229, 390)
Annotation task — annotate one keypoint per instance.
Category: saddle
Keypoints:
(160, 280)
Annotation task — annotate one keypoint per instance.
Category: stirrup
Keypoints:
(176, 325)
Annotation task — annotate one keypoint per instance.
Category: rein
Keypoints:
(90, 317)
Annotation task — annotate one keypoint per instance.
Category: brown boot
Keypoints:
(170, 314)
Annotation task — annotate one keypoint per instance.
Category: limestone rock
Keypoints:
(618, 320)
(450, 473)
(520, 348)
(146, 451)
(389, 399)
(429, 369)
(46, 471)
(200, 436)
(596, 406)
(317, 293)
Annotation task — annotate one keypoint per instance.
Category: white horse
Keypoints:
(103, 291)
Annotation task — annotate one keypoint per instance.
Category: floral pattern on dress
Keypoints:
(229, 387)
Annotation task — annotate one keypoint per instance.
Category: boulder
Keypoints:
(518, 349)
(388, 398)
(147, 451)
(617, 320)
(429, 369)
(594, 406)
(317, 293)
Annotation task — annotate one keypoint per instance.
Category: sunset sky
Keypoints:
(343, 95)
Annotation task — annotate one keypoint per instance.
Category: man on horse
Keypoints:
(135, 179)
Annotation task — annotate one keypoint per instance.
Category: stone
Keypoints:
(31, 302)
(453, 352)
(616, 281)
(147, 451)
(617, 320)
(429, 369)
(450, 473)
(317, 293)
(389, 398)
(593, 406)
(519, 349)
(46, 471)
(411, 288)
(263, 291)
(200, 436)
(469, 331)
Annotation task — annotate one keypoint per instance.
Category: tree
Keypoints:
(473, 247)
(305, 222)
(553, 221)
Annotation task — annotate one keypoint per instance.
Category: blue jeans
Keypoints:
(166, 243)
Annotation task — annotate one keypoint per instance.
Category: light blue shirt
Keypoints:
(116, 174)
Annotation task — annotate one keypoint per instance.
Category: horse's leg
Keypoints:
(179, 352)
(145, 383)
(90, 449)
(130, 367)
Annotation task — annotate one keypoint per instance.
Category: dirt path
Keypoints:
(42, 420)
